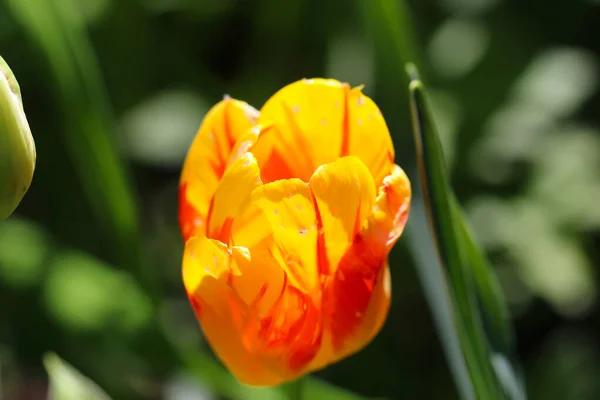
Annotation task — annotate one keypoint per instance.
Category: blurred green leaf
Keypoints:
(24, 248)
(495, 316)
(389, 23)
(294, 390)
(319, 389)
(66, 383)
(55, 27)
(480, 313)
(438, 296)
(159, 130)
(91, 11)
(80, 293)
(458, 46)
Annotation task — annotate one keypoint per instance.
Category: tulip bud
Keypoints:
(17, 148)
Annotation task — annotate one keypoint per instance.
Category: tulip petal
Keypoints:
(280, 222)
(358, 276)
(357, 294)
(308, 118)
(386, 222)
(375, 313)
(362, 331)
(290, 335)
(368, 137)
(283, 324)
(222, 315)
(344, 192)
(279, 227)
(238, 182)
(207, 159)
(318, 120)
(258, 281)
(368, 322)
(197, 264)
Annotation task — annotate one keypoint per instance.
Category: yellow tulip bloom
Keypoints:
(289, 216)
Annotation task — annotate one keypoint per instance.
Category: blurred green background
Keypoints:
(115, 90)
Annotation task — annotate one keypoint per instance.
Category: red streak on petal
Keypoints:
(275, 168)
(195, 305)
(222, 149)
(190, 221)
(241, 318)
(322, 259)
(304, 164)
(346, 124)
(261, 293)
(230, 140)
(290, 332)
(223, 232)
(348, 294)
(293, 328)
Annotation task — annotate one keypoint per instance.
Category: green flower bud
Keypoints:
(17, 149)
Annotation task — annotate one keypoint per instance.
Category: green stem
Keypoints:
(294, 390)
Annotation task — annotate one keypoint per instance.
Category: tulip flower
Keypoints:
(289, 216)
(17, 148)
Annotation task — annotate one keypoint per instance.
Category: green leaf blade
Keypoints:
(480, 312)
(66, 383)
(89, 125)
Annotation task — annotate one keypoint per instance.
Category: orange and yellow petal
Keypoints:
(289, 335)
(263, 329)
(368, 137)
(308, 118)
(344, 193)
(279, 227)
(318, 120)
(236, 186)
(203, 258)
(259, 281)
(349, 293)
(365, 315)
(358, 276)
(374, 316)
(282, 323)
(280, 222)
(207, 159)
(222, 315)
(388, 218)
(358, 238)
